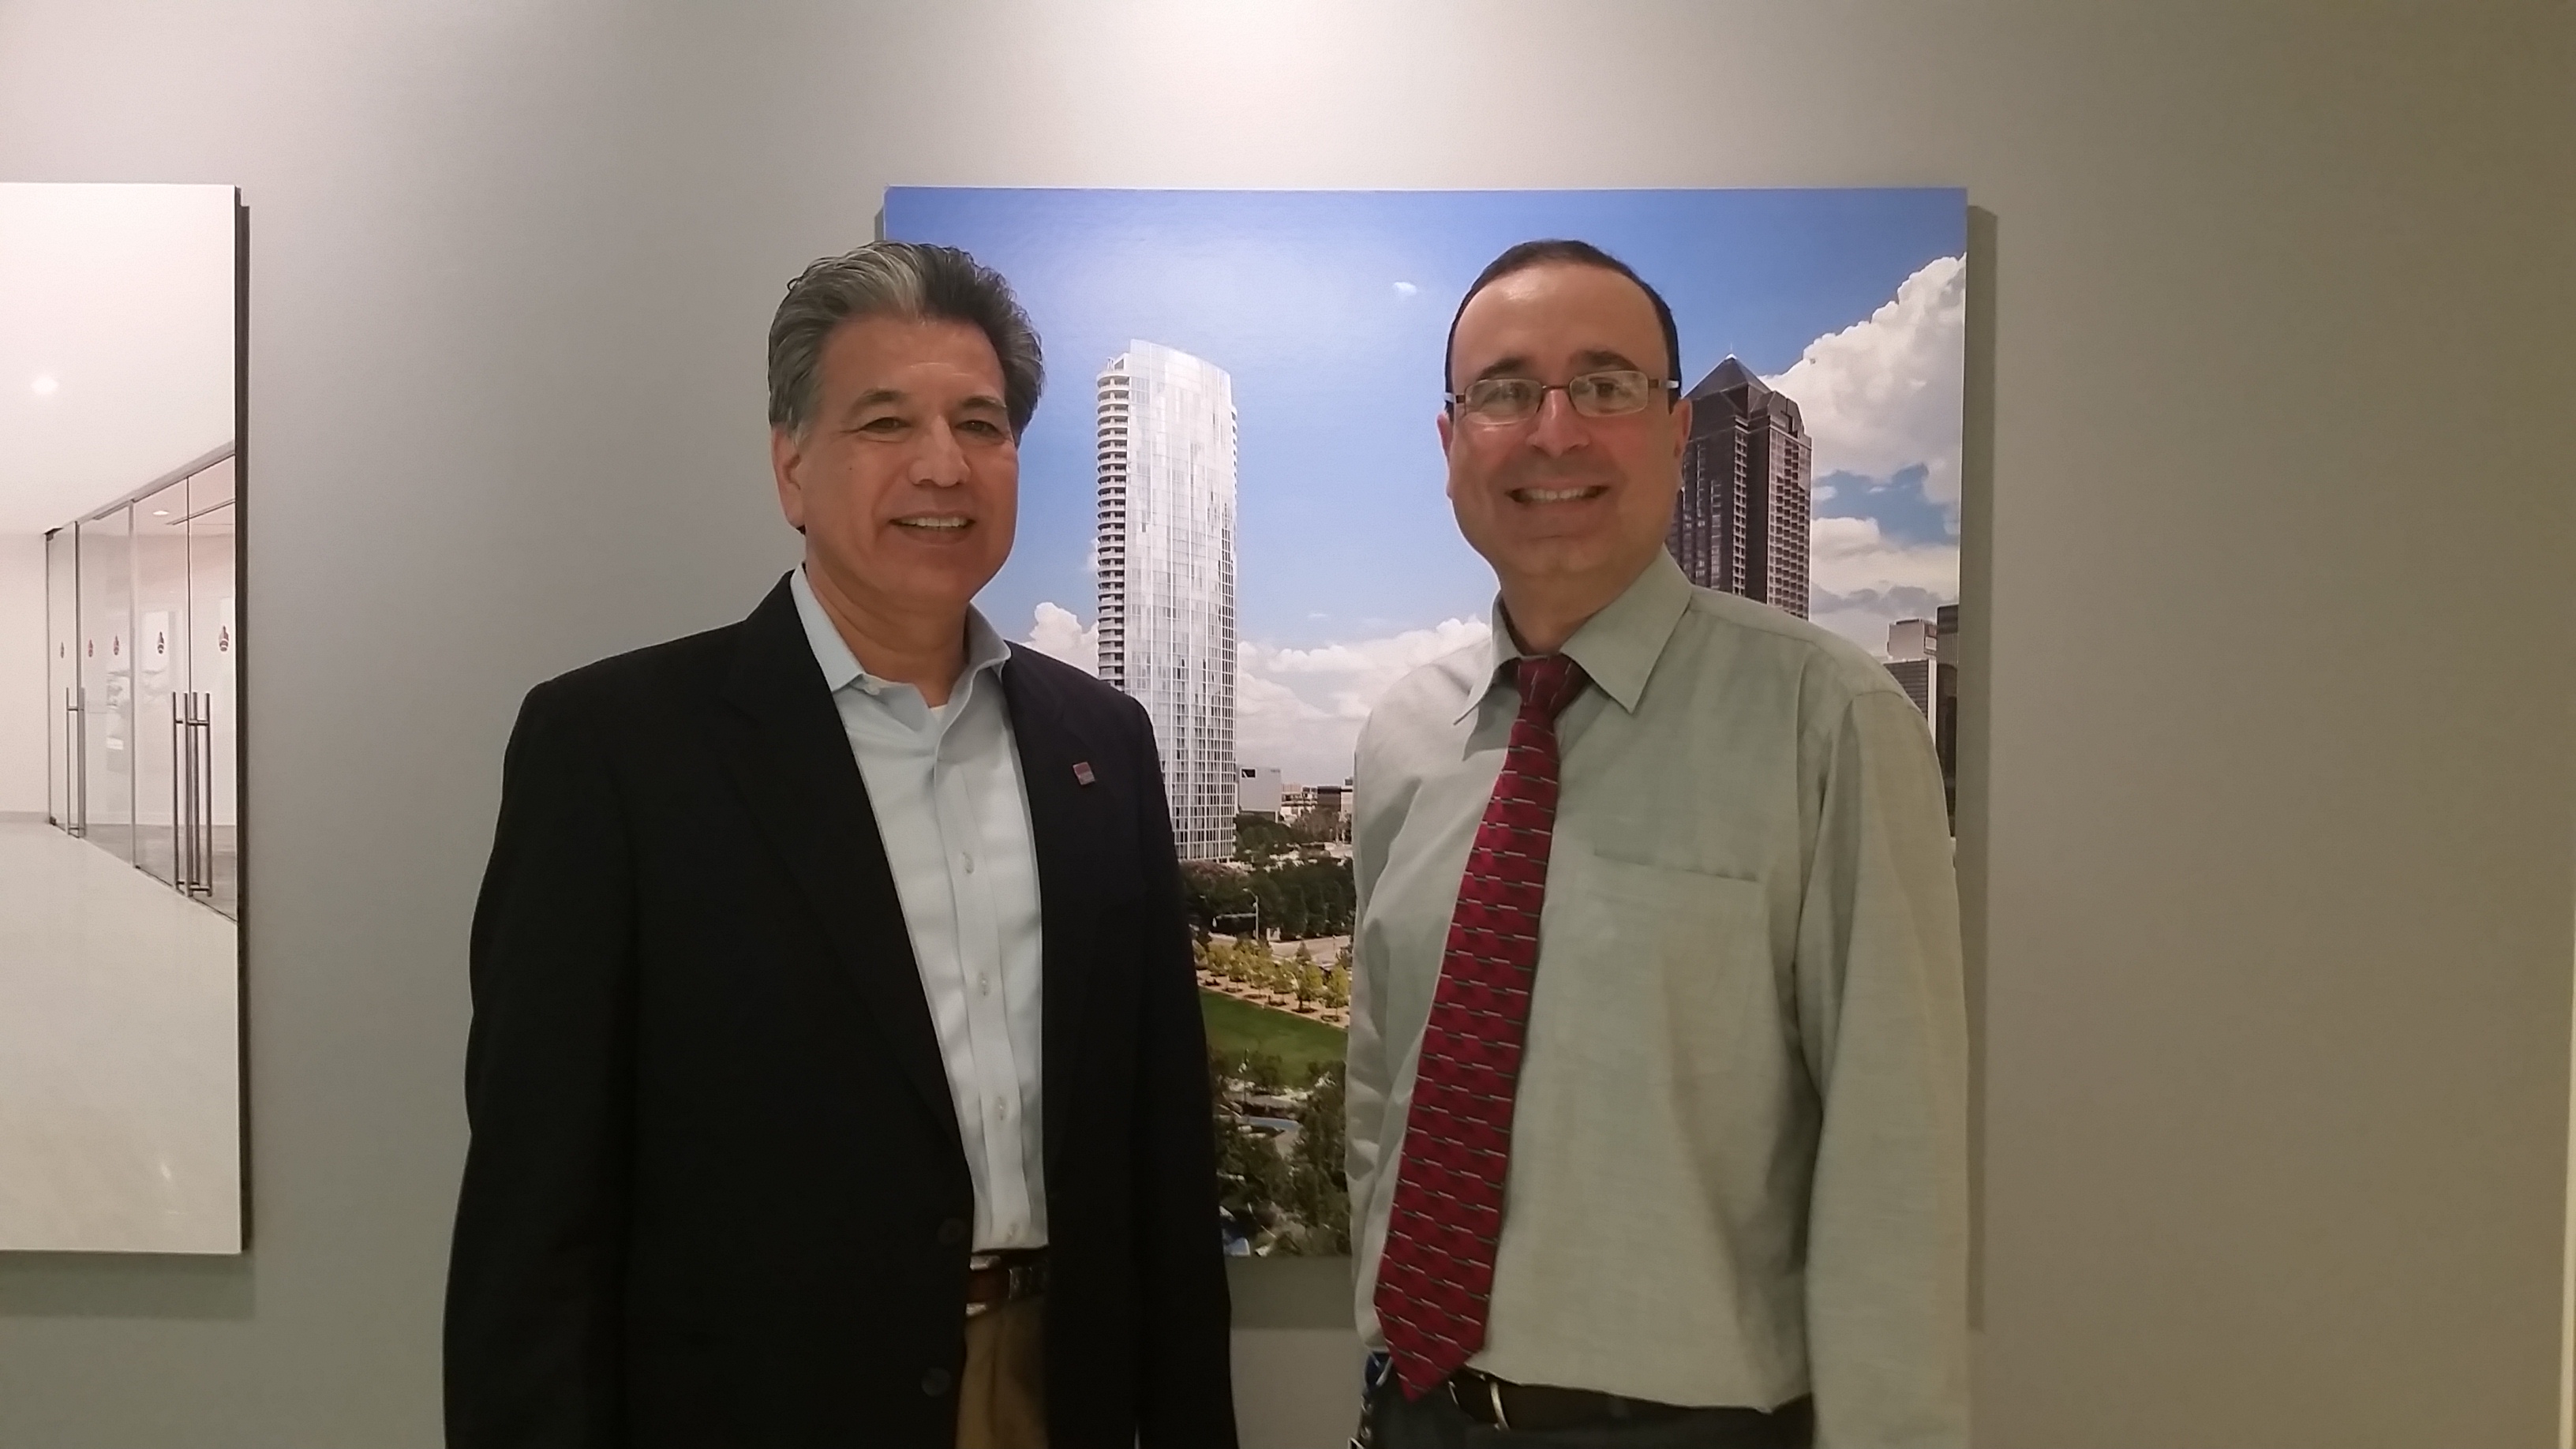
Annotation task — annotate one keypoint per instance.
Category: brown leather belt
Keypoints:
(1502, 1404)
(993, 1279)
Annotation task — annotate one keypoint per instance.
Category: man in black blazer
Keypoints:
(836, 1074)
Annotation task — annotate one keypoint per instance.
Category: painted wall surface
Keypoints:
(2267, 339)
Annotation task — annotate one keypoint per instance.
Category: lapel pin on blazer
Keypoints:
(1082, 771)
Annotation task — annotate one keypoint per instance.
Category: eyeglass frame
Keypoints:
(1457, 401)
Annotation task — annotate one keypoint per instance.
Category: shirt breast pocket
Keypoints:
(1675, 963)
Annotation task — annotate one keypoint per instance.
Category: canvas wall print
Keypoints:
(1232, 508)
(120, 879)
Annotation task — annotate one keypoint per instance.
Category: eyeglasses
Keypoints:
(1593, 394)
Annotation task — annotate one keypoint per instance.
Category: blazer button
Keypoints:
(952, 1232)
(935, 1382)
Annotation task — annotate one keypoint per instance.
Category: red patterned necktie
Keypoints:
(1436, 1272)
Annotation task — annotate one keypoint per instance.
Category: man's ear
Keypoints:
(786, 462)
(1446, 426)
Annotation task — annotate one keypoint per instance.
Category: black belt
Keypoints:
(1541, 1407)
(993, 1279)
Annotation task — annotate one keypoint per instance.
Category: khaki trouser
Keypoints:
(1001, 1398)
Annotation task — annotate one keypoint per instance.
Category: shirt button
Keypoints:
(984, 985)
(935, 1382)
(1001, 1108)
(952, 1232)
(970, 862)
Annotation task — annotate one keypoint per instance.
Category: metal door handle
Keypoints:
(178, 828)
(75, 766)
(191, 788)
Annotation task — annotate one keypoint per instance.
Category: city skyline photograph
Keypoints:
(1326, 314)
(1232, 508)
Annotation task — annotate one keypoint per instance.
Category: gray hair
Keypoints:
(896, 279)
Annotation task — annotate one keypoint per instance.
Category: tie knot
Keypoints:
(1548, 683)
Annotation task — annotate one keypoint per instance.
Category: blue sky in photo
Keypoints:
(1896, 504)
(1330, 309)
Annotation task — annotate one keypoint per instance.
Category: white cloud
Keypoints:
(1406, 289)
(1298, 710)
(1057, 632)
(1848, 555)
(1301, 709)
(1862, 581)
(1882, 395)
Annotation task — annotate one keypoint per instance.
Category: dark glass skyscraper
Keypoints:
(1741, 523)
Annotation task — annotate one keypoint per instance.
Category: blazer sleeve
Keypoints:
(533, 1305)
(1186, 1397)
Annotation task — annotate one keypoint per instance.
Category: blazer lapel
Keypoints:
(788, 752)
(1063, 809)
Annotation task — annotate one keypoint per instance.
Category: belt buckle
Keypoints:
(1021, 1279)
(1493, 1396)
(981, 1262)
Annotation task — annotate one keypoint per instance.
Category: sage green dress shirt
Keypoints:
(1738, 1166)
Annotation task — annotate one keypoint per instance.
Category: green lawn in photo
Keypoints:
(1302, 1045)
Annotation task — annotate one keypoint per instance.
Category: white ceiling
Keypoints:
(119, 298)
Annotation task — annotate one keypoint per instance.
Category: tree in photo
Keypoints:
(1216, 891)
(1337, 983)
(1318, 1191)
(1282, 976)
(1260, 838)
(1252, 1177)
(1262, 1072)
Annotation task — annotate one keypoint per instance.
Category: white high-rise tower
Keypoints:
(1166, 570)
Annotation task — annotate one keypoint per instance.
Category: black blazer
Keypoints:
(716, 1193)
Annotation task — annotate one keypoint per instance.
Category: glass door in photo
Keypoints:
(164, 743)
(213, 646)
(62, 680)
(107, 680)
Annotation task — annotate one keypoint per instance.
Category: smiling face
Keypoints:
(906, 481)
(1568, 509)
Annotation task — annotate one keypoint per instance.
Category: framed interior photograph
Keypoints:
(120, 835)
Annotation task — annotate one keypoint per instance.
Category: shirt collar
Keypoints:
(1617, 647)
(985, 647)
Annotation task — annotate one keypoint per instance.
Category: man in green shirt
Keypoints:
(1657, 1092)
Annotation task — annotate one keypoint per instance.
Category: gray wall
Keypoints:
(2270, 861)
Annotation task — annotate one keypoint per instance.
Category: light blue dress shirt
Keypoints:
(945, 785)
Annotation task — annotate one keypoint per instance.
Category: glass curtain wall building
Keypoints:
(1166, 573)
(141, 645)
